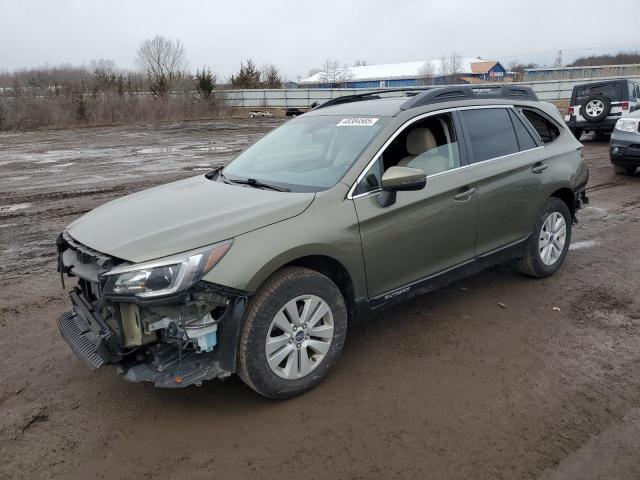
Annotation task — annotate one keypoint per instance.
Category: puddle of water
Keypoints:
(14, 207)
(16, 179)
(585, 244)
(154, 150)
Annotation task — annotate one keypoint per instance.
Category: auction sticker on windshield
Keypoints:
(357, 122)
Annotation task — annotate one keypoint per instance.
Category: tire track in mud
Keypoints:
(47, 183)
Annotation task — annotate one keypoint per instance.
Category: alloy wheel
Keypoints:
(299, 337)
(594, 107)
(553, 236)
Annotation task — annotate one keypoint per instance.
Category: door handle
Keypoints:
(465, 195)
(539, 167)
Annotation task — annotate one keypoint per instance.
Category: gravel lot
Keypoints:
(449, 385)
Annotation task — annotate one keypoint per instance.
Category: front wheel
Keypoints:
(293, 333)
(549, 242)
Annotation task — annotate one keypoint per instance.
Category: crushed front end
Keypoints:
(160, 324)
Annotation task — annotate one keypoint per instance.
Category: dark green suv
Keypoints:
(365, 201)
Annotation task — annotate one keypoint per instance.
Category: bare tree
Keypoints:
(106, 77)
(455, 66)
(426, 74)
(103, 68)
(444, 69)
(519, 68)
(450, 67)
(360, 63)
(164, 62)
(334, 73)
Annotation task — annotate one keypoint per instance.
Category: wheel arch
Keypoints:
(334, 270)
(345, 271)
(568, 197)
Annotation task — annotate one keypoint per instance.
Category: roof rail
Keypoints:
(468, 92)
(421, 96)
(370, 96)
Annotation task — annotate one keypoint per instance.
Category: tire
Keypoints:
(595, 108)
(534, 263)
(624, 170)
(577, 132)
(268, 311)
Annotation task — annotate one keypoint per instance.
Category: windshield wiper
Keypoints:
(252, 182)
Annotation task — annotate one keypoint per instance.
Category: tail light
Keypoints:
(625, 105)
(570, 112)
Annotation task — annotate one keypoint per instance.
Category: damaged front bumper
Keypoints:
(174, 341)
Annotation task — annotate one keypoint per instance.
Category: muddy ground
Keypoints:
(449, 385)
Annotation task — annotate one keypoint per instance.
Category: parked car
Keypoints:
(624, 147)
(597, 106)
(257, 268)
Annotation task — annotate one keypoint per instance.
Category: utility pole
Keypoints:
(558, 61)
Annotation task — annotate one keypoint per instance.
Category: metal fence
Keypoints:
(551, 91)
(302, 98)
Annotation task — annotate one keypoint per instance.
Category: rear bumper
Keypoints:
(605, 125)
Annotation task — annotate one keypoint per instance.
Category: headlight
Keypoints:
(166, 275)
(627, 125)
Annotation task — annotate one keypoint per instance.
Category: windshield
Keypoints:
(307, 153)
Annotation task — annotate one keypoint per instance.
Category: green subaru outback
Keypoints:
(259, 267)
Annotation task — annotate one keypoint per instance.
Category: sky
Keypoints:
(299, 35)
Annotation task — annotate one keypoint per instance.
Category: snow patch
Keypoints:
(14, 207)
(585, 244)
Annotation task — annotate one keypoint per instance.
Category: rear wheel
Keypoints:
(623, 170)
(293, 333)
(548, 245)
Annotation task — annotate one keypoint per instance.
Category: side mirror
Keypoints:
(400, 179)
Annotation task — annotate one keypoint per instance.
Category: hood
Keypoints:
(181, 216)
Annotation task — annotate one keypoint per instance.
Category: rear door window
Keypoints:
(490, 133)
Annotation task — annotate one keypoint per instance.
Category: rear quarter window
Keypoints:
(545, 128)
